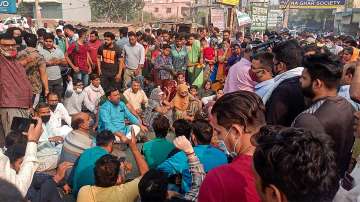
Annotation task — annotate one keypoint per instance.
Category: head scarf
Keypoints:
(181, 103)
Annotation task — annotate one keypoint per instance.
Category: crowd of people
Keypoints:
(206, 116)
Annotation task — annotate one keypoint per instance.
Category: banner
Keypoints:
(259, 16)
(242, 18)
(8, 6)
(217, 18)
(274, 18)
(314, 4)
(228, 2)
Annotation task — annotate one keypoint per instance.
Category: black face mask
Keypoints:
(308, 92)
(45, 118)
(53, 107)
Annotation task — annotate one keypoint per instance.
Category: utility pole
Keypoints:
(37, 14)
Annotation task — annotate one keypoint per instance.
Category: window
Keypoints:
(168, 10)
(156, 10)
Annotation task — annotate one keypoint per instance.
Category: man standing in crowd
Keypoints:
(329, 113)
(134, 54)
(109, 63)
(15, 88)
(284, 100)
(261, 72)
(179, 54)
(136, 96)
(236, 118)
(94, 45)
(123, 38)
(285, 168)
(238, 77)
(35, 67)
(54, 57)
(60, 40)
(70, 34)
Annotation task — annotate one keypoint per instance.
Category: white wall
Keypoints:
(76, 10)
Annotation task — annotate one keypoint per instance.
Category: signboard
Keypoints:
(228, 2)
(242, 18)
(259, 16)
(217, 18)
(314, 4)
(7, 6)
(274, 18)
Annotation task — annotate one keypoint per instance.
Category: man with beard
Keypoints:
(15, 88)
(329, 113)
(94, 45)
(109, 62)
(112, 115)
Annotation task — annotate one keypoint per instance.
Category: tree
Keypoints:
(114, 10)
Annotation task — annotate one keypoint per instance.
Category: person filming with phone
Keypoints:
(15, 87)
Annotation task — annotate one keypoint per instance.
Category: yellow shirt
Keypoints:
(127, 192)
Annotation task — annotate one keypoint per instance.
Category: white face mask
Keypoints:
(78, 90)
(222, 144)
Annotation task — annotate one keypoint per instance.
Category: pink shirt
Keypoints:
(93, 50)
(238, 77)
(233, 182)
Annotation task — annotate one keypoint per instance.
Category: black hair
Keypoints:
(290, 53)
(58, 31)
(161, 126)
(325, 68)
(96, 33)
(77, 81)
(110, 90)
(69, 26)
(266, 59)
(123, 31)
(194, 87)
(109, 35)
(203, 131)
(180, 36)
(52, 93)
(41, 32)
(94, 76)
(15, 152)
(312, 48)
(11, 30)
(6, 36)
(49, 36)
(350, 68)
(226, 30)
(182, 127)
(41, 105)
(153, 186)
(299, 162)
(107, 169)
(15, 137)
(30, 40)
(240, 107)
(82, 32)
(349, 50)
(165, 46)
(131, 34)
(147, 30)
(104, 138)
(9, 192)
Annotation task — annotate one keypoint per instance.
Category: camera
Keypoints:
(257, 46)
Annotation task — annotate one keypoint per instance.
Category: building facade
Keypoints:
(168, 9)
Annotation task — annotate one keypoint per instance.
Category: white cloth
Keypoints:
(23, 179)
(73, 101)
(354, 194)
(208, 99)
(60, 113)
(92, 97)
(280, 78)
(128, 135)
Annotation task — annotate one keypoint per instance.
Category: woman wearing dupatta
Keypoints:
(218, 75)
(185, 105)
(157, 105)
(195, 69)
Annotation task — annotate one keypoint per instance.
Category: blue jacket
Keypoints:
(112, 117)
(209, 156)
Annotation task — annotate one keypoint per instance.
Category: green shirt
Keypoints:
(194, 52)
(156, 151)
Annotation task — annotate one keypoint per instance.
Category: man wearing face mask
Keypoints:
(50, 144)
(329, 113)
(236, 117)
(15, 88)
(74, 96)
(261, 72)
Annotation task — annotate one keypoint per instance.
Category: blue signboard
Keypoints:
(314, 4)
(7, 6)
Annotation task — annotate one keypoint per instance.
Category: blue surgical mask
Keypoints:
(223, 147)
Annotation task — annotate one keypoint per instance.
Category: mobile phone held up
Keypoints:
(20, 124)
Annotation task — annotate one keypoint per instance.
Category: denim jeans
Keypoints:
(82, 76)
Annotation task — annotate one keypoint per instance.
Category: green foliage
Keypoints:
(115, 10)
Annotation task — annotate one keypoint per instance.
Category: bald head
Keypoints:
(80, 121)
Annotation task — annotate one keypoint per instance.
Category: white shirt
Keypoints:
(136, 99)
(23, 179)
(59, 114)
